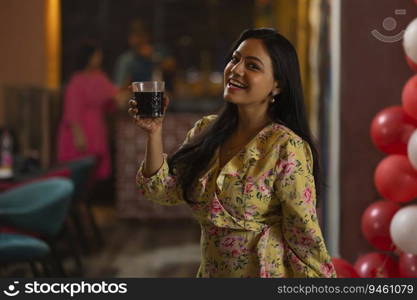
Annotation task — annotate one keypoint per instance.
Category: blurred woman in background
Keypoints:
(89, 95)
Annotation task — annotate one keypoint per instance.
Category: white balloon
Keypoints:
(412, 149)
(403, 229)
(410, 40)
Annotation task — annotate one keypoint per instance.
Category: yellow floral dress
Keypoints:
(257, 213)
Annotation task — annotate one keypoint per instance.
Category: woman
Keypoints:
(249, 173)
(88, 96)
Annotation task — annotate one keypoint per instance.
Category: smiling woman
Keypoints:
(250, 174)
(249, 75)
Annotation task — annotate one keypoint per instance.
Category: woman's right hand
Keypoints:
(149, 125)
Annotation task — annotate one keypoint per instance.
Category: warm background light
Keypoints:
(53, 43)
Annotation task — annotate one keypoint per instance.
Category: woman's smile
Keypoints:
(234, 85)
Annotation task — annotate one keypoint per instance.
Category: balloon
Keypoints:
(409, 97)
(403, 229)
(390, 130)
(412, 64)
(412, 149)
(410, 41)
(344, 269)
(376, 221)
(396, 179)
(376, 265)
(407, 265)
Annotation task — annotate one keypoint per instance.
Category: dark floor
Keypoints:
(134, 249)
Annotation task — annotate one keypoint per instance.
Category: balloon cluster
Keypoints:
(390, 224)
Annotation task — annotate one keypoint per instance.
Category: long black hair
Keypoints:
(288, 110)
(85, 52)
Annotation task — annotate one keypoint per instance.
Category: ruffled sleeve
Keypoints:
(162, 187)
(305, 251)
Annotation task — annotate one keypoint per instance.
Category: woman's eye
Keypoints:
(253, 66)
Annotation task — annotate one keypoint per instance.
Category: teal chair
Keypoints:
(40, 208)
(81, 175)
(16, 248)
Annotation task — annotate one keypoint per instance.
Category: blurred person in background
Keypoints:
(250, 174)
(135, 64)
(89, 95)
(143, 61)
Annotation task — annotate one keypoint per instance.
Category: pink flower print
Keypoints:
(276, 126)
(215, 207)
(312, 211)
(264, 190)
(296, 263)
(250, 211)
(263, 272)
(295, 231)
(264, 134)
(169, 182)
(235, 253)
(227, 242)
(286, 167)
(213, 231)
(211, 269)
(248, 188)
(306, 241)
(327, 269)
(234, 246)
(312, 231)
(307, 195)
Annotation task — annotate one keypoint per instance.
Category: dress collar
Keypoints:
(251, 152)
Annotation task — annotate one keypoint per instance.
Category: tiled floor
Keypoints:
(136, 249)
(151, 249)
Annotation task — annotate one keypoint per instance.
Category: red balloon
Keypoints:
(376, 221)
(411, 63)
(391, 129)
(396, 179)
(376, 265)
(408, 265)
(344, 269)
(409, 97)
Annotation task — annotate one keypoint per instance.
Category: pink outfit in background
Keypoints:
(88, 97)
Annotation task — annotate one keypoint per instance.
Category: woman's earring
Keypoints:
(273, 99)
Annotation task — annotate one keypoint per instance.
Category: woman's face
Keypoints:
(96, 59)
(248, 77)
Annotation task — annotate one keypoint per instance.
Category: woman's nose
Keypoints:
(238, 68)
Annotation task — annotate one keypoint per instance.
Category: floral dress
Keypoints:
(257, 213)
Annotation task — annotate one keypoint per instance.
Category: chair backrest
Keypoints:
(39, 207)
(81, 173)
(58, 172)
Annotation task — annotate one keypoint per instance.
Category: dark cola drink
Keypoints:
(150, 104)
(149, 96)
